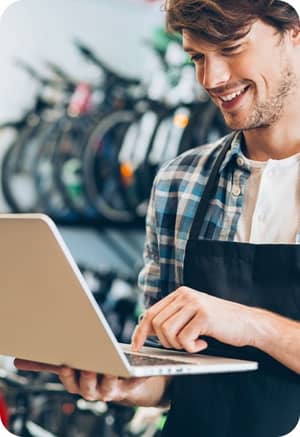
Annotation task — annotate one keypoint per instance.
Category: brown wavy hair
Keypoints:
(219, 21)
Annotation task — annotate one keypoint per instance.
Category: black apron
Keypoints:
(263, 403)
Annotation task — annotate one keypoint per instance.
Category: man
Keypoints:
(222, 270)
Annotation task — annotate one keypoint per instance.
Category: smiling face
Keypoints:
(252, 79)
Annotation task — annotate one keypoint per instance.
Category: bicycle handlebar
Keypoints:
(90, 55)
(29, 70)
(59, 72)
(44, 81)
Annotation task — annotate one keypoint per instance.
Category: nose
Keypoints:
(214, 72)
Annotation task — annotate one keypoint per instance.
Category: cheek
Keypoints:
(259, 67)
(199, 73)
(248, 72)
(243, 68)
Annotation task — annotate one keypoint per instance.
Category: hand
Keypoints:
(180, 319)
(92, 386)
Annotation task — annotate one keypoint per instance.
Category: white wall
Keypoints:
(43, 29)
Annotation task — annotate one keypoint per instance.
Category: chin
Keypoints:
(236, 125)
(239, 122)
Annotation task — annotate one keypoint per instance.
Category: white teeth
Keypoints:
(232, 96)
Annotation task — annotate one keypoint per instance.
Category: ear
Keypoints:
(295, 35)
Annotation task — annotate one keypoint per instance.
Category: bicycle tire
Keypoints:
(101, 170)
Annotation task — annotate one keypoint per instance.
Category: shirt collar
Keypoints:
(234, 151)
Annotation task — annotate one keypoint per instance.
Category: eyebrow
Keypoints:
(188, 49)
(221, 47)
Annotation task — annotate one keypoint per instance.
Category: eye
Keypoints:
(199, 57)
(231, 49)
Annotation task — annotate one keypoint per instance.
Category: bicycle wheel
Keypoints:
(136, 175)
(68, 171)
(49, 194)
(16, 175)
(101, 168)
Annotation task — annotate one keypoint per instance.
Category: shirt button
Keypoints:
(236, 191)
(240, 161)
(260, 217)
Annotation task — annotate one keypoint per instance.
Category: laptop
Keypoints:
(49, 315)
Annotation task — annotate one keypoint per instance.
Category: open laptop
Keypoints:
(48, 314)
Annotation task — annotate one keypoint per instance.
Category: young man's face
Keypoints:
(251, 80)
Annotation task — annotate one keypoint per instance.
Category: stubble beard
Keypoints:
(265, 114)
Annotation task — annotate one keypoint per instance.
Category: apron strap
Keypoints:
(209, 190)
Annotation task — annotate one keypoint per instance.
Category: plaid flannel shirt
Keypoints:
(175, 196)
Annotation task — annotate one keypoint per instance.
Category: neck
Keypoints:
(278, 141)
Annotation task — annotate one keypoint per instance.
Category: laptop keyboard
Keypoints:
(144, 360)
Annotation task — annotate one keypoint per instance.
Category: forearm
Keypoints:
(277, 336)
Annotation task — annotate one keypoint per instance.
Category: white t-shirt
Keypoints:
(271, 210)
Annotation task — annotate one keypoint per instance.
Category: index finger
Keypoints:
(35, 366)
(144, 328)
(140, 334)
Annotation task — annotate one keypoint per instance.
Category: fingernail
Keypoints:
(134, 346)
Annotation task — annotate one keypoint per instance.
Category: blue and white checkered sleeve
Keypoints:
(149, 277)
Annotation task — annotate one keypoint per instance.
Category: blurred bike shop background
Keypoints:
(95, 97)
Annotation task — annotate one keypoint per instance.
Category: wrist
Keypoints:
(265, 330)
(149, 392)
